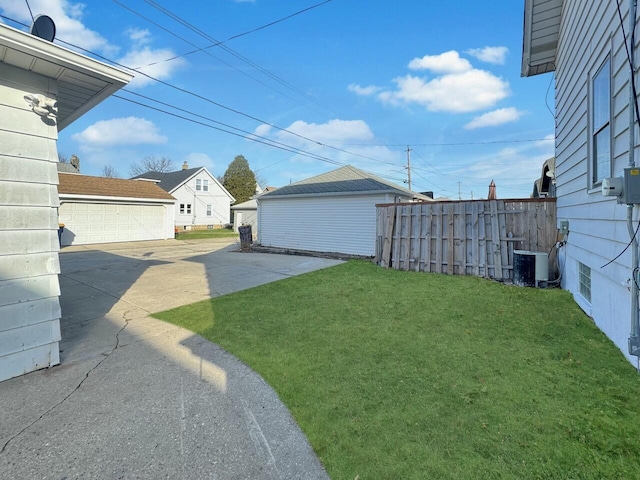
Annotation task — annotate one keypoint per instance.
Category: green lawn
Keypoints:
(214, 233)
(398, 375)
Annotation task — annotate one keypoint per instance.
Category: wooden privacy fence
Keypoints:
(464, 238)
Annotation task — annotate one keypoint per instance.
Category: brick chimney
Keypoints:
(185, 166)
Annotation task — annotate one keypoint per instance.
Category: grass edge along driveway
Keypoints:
(410, 375)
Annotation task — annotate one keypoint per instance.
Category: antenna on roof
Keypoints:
(43, 27)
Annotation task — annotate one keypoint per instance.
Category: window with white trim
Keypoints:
(205, 185)
(601, 123)
(198, 184)
(209, 210)
(182, 208)
(584, 278)
(188, 208)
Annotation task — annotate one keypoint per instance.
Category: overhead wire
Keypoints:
(198, 49)
(253, 138)
(264, 140)
(231, 51)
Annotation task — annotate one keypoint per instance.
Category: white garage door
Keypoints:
(103, 223)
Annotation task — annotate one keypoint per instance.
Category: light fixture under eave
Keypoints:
(43, 27)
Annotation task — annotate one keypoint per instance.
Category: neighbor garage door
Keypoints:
(103, 223)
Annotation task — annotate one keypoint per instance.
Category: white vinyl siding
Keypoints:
(340, 224)
(194, 197)
(590, 36)
(29, 267)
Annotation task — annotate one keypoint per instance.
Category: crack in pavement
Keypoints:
(76, 388)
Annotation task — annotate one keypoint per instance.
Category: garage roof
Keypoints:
(74, 184)
(346, 179)
(82, 81)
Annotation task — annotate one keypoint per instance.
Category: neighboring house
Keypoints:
(583, 43)
(246, 213)
(102, 210)
(201, 200)
(66, 168)
(545, 186)
(334, 212)
(43, 89)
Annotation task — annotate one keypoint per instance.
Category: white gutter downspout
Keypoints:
(634, 341)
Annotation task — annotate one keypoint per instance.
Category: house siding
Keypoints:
(29, 266)
(339, 224)
(216, 197)
(597, 224)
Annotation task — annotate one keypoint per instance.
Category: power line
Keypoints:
(253, 138)
(229, 50)
(233, 110)
(197, 49)
(454, 144)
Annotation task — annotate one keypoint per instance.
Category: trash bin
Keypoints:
(60, 232)
(245, 238)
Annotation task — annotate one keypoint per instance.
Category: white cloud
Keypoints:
(456, 92)
(139, 36)
(496, 55)
(152, 62)
(363, 91)
(447, 62)
(494, 118)
(120, 131)
(320, 138)
(68, 19)
(262, 130)
(332, 132)
(547, 142)
(198, 159)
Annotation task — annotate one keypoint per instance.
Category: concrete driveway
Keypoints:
(135, 397)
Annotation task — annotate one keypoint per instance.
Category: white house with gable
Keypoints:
(596, 141)
(43, 89)
(201, 200)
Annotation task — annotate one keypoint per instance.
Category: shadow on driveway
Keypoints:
(137, 397)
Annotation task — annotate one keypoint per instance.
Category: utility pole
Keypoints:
(409, 167)
(459, 192)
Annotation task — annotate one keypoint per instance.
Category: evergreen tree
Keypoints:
(239, 180)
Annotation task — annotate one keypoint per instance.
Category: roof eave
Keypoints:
(540, 36)
(111, 198)
(28, 52)
(339, 194)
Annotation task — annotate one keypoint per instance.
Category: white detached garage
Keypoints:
(334, 212)
(103, 210)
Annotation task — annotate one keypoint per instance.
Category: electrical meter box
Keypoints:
(631, 189)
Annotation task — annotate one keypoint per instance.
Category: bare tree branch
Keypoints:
(109, 171)
(151, 164)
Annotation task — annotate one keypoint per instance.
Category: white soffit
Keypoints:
(82, 81)
(541, 31)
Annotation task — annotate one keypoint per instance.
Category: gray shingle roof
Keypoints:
(171, 180)
(346, 179)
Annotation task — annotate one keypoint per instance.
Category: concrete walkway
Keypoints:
(135, 397)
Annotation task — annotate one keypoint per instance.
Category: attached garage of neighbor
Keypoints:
(104, 210)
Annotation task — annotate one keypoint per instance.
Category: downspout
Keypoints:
(634, 341)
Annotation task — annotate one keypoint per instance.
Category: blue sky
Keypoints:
(344, 82)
